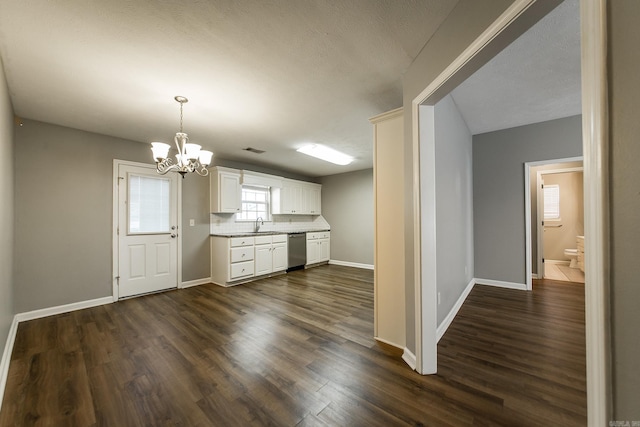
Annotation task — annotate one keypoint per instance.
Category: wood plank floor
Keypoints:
(297, 350)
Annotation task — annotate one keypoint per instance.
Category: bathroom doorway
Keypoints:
(561, 216)
(554, 239)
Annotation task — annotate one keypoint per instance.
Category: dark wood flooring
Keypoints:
(297, 350)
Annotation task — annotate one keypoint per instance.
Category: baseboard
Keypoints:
(501, 284)
(409, 358)
(6, 357)
(557, 261)
(534, 275)
(454, 310)
(197, 282)
(52, 311)
(351, 264)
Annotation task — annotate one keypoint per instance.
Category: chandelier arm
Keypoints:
(201, 170)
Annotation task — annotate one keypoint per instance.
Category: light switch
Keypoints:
(192, 222)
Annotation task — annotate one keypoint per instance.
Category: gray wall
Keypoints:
(498, 190)
(347, 205)
(6, 212)
(454, 205)
(624, 92)
(63, 216)
(465, 23)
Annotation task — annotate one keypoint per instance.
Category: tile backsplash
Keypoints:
(226, 223)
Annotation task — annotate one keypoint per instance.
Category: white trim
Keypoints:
(115, 214)
(527, 212)
(409, 358)
(442, 329)
(6, 357)
(556, 261)
(37, 314)
(60, 309)
(197, 282)
(387, 342)
(595, 131)
(351, 264)
(425, 292)
(501, 284)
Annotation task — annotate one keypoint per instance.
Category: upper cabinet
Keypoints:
(226, 190)
(288, 196)
(296, 198)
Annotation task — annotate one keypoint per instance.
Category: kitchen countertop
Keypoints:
(260, 233)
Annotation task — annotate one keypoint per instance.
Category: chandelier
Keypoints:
(190, 157)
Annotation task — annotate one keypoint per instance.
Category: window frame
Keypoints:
(265, 213)
(546, 190)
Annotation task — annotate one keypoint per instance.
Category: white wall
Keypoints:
(454, 205)
(6, 212)
(347, 205)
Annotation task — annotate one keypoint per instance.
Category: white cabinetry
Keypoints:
(296, 198)
(270, 254)
(239, 259)
(318, 247)
(312, 197)
(231, 259)
(225, 190)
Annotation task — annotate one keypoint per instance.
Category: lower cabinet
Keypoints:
(318, 247)
(270, 254)
(239, 259)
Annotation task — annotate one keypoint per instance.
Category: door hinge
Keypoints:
(543, 223)
(543, 260)
(118, 280)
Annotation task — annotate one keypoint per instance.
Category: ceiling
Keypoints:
(268, 75)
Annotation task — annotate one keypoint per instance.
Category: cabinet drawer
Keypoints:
(263, 240)
(242, 254)
(241, 269)
(241, 241)
(279, 238)
(318, 235)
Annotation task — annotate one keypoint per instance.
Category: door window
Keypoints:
(149, 205)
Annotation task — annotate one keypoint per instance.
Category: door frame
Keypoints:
(114, 229)
(595, 125)
(527, 210)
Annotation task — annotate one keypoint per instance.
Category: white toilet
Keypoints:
(572, 254)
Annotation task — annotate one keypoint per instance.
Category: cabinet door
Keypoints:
(312, 199)
(263, 260)
(230, 192)
(225, 191)
(323, 251)
(279, 256)
(312, 251)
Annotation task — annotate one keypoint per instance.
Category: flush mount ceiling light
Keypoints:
(190, 157)
(325, 153)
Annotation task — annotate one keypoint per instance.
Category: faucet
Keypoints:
(257, 226)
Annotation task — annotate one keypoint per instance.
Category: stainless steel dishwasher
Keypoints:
(297, 248)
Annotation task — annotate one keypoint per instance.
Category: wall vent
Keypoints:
(253, 150)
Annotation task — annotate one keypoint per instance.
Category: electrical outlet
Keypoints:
(438, 298)
(192, 222)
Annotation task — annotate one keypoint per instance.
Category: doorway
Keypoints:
(146, 238)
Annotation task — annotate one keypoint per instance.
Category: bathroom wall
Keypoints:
(557, 239)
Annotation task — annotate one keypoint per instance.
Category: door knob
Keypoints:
(173, 236)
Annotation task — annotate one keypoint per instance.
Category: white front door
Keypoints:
(147, 230)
